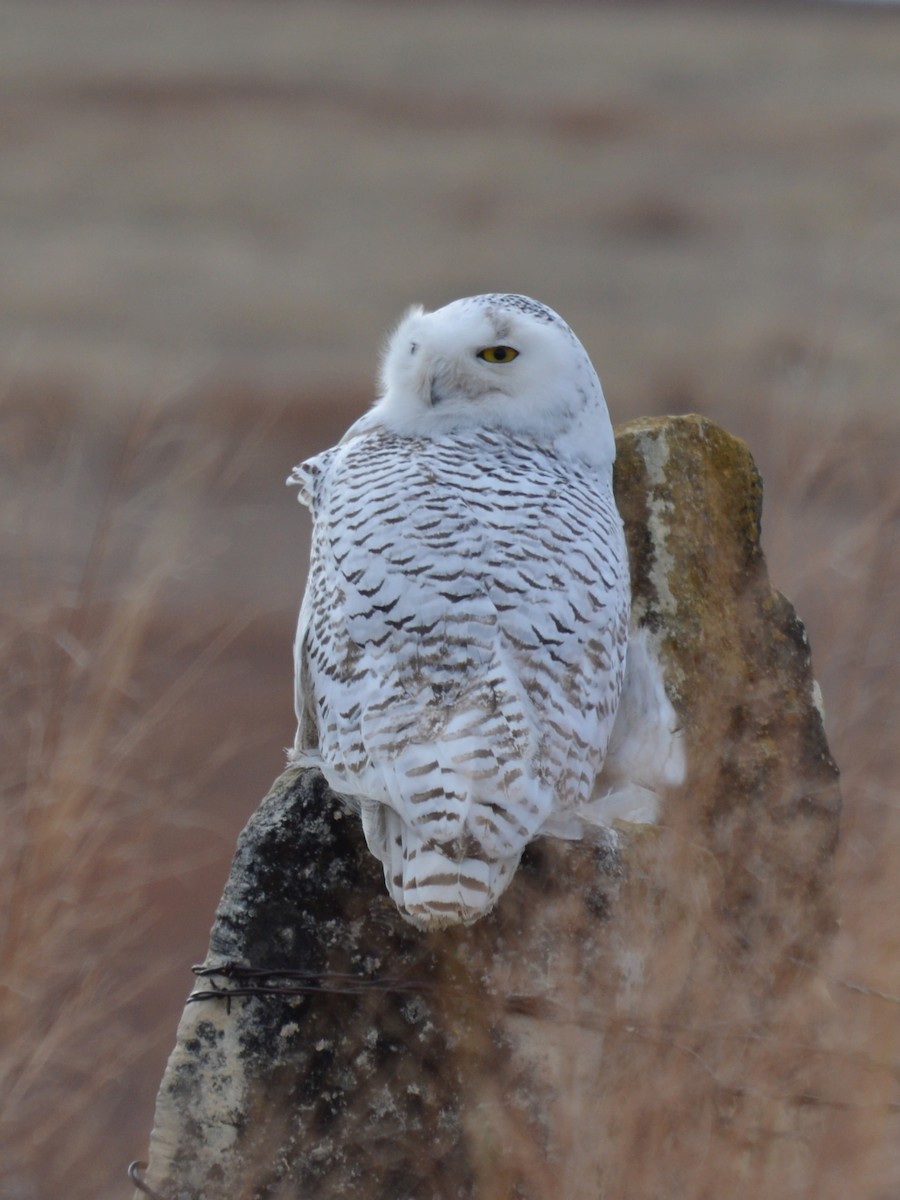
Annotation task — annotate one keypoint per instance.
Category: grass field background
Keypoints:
(211, 213)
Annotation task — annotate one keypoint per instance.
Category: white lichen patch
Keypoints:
(383, 1104)
(207, 1062)
(655, 452)
(321, 1151)
(364, 1062)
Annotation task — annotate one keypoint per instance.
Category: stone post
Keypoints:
(627, 1022)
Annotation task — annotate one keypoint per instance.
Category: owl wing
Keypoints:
(458, 656)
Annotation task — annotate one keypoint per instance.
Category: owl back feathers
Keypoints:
(460, 652)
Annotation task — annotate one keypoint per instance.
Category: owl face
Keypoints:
(494, 361)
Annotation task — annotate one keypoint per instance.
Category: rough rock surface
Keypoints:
(624, 1023)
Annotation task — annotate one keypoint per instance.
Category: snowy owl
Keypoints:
(461, 647)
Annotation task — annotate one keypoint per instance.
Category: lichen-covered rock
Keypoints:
(624, 1023)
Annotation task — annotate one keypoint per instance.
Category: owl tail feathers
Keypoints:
(435, 885)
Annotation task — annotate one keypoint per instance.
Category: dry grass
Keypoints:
(93, 774)
(719, 1076)
(710, 200)
(835, 530)
(87, 704)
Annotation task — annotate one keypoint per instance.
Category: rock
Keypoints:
(625, 1022)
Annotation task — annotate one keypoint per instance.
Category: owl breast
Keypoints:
(461, 651)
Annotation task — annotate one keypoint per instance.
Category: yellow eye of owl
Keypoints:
(498, 354)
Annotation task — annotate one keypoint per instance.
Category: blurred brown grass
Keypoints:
(711, 201)
(123, 793)
(97, 822)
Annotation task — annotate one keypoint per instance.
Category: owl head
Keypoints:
(496, 361)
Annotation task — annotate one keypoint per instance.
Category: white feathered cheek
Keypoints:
(402, 354)
(466, 383)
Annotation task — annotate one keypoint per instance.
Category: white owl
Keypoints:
(461, 647)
